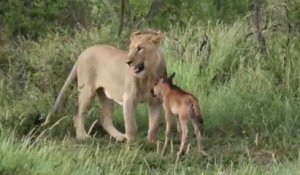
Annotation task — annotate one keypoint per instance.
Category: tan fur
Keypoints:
(105, 71)
(184, 105)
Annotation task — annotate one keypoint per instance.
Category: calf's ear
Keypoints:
(170, 78)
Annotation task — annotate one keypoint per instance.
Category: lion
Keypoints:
(118, 76)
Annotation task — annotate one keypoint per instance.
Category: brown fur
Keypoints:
(184, 105)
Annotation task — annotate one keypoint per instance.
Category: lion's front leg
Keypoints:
(129, 119)
(154, 119)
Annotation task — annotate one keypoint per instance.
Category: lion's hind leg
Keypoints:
(84, 100)
(107, 107)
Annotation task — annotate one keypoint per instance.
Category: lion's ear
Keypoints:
(156, 38)
(134, 34)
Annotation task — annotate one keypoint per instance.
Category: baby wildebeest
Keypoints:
(184, 105)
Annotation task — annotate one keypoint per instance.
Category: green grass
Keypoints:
(100, 156)
(250, 103)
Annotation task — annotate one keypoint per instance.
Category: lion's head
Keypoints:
(142, 51)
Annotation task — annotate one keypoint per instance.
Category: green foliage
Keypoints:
(235, 82)
(36, 18)
(140, 7)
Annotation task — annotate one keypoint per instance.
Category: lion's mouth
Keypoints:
(139, 68)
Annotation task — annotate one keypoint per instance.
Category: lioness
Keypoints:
(118, 76)
(181, 103)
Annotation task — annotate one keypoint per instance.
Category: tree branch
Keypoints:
(205, 42)
(156, 5)
(121, 17)
(288, 23)
(260, 38)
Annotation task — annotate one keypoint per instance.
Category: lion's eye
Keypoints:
(139, 48)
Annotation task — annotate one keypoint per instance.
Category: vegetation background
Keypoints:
(240, 58)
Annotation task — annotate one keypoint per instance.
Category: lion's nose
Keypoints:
(129, 62)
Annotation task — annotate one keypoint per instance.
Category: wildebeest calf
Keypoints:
(181, 103)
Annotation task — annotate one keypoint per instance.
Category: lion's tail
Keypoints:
(70, 79)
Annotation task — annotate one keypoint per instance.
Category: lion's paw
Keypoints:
(83, 136)
(120, 138)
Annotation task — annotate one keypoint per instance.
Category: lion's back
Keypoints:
(102, 66)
